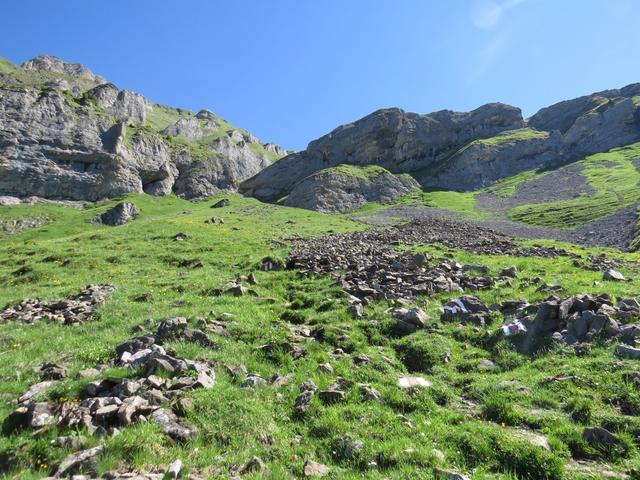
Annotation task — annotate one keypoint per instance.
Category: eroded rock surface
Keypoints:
(341, 190)
(68, 134)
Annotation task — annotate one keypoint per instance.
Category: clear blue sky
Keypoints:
(292, 70)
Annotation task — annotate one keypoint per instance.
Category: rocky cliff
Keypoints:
(67, 133)
(464, 151)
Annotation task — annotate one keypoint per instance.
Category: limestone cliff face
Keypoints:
(393, 139)
(480, 163)
(464, 151)
(342, 189)
(66, 133)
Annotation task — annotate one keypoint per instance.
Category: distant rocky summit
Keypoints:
(463, 151)
(346, 187)
(65, 133)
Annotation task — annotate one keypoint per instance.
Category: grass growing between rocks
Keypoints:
(514, 136)
(491, 412)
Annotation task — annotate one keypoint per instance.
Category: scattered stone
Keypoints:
(413, 382)
(613, 275)
(511, 272)
(326, 368)
(52, 371)
(76, 460)
(314, 469)
(237, 290)
(370, 394)
(180, 237)
(40, 414)
(303, 401)
(628, 352)
(35, 390)
(254, 465)
(331, 396)
(279, 381)
(600, 437)
(441, 474)
(77, 308)
(356, 310)
(172, 427)
(225, 202)
(119, 215)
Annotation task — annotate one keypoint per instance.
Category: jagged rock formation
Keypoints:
(345, 188)
(66, 133)
(464, 151)
(396, 140)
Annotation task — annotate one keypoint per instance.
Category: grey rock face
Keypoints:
(463, 151)
(98, 141)
(391, 138)
(192, 128)
(54, 64)
(333, 190)
(123, 105)
(482, 163)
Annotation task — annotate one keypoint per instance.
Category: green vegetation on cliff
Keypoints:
(613, 176)
(514, 136)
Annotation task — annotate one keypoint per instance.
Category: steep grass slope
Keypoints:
(487, 423)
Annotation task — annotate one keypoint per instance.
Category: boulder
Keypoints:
(315, 469)
(613, 275)
(122, 213)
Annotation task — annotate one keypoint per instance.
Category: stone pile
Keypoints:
(77, 308)
(85, 459)
(372, 271)
(438, 230)
(572, 320)
(160, 378)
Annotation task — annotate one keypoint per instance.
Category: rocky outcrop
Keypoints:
(464, 151)
(53, 64)
(399, 141)
(482, 162)
(92, 140)
(345, 188)
(120, 214)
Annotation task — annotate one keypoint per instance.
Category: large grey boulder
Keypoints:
(120, 214)
(345, 188)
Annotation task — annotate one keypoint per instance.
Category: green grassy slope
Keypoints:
(615, 180)
(471, 420)
(612, 175)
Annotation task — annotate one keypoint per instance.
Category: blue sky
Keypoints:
(290, 71)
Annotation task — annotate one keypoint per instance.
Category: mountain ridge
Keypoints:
(70, 134)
